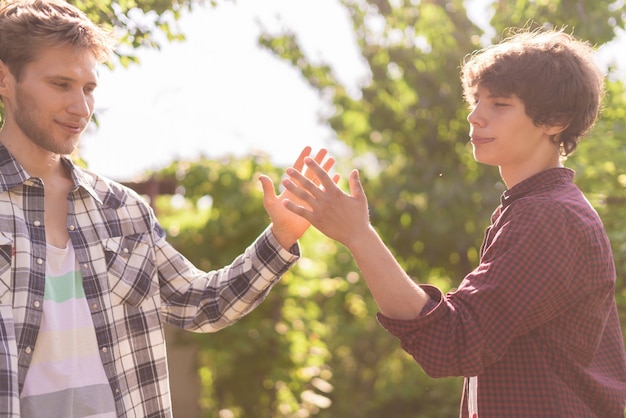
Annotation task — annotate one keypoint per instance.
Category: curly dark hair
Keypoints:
(550, 71)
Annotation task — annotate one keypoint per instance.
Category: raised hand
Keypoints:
(338, 215)
(287, 226)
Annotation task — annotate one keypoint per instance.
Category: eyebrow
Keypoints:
(497, 96)
(68, 79)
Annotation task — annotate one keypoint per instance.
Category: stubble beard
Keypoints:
(27, 121)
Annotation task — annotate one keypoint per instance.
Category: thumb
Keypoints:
(356, 188)
(268, 185)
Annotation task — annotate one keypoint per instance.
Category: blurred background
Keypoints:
(204, 95)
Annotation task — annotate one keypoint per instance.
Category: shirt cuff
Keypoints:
(433, 309)
(285, 253)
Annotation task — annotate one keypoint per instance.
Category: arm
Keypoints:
(344, 218)
(209, 301)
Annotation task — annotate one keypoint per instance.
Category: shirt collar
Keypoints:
(537, 183)
(13, 174)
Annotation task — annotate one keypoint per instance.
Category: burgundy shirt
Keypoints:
(536, 321)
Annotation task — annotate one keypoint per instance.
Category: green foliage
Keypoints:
(600, 163)
(138, 23)
(594, 21)
(429, 199)
(313, 348)
(275, 360)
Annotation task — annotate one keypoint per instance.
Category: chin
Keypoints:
(484, 160)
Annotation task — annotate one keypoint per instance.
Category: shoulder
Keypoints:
(566, 201)
(110, 193)
(555, 215)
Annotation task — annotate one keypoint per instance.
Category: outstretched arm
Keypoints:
(286, 226)
(345, 218)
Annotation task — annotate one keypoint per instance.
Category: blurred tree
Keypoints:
(274, 361)
(425, 190)
(314, 348)
(136, 23)
(426, 193)
(429, 199)
(592, 20)
(139, 23)
(600, 164)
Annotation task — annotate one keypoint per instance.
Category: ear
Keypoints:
(553, 130)
(5, 75)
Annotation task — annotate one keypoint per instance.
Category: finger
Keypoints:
(319, 158)
(299, 164)
(356, 188)
(307, 190)
(308, 185)
(320, 173)
(328, 164)
(321, 154)
(298, 210)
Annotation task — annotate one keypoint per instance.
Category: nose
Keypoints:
(474, 117)
(81, 104)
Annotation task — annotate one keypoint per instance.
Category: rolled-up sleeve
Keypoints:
(532, 270)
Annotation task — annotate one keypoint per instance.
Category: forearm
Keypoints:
(345, 219)
(395, 293)
(209, 301)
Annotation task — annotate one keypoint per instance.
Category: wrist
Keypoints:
(284, 237)
(362, 239)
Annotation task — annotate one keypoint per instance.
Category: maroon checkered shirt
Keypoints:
(536, 322)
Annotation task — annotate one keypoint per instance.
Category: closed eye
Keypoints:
(61, 85)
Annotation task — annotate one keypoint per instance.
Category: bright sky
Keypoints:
(218, 93)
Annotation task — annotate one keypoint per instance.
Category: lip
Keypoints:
(73, 127)
(479, 140)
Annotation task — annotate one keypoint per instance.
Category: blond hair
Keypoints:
(28, 26)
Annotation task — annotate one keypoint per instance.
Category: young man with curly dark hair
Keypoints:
(534, 328)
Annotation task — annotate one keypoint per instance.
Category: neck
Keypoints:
(513, 177)
(35, 160)
(544, 158)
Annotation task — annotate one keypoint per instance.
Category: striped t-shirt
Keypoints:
(66, 378)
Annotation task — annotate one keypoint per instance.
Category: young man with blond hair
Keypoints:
(87, 277)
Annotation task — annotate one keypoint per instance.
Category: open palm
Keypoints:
(286, 225)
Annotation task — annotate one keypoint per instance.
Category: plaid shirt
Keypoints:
(133, 280)
(536, 321)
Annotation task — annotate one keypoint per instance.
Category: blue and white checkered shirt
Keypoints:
(134, 280)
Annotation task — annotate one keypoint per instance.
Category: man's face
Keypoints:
(504, 135)
(52, 103)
